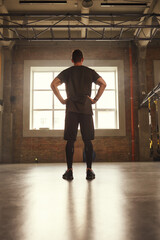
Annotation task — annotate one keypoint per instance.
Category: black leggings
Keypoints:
(70, 151)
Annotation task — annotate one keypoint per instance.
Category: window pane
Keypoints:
(93, 106)
(93, 86)
(106, 119)
(42, 119)
(107, 100)
(42, 80)
(94, 119)
(57, 103)
(56, 74)
(109, 78)
(42, 100)
(61, 87)
(93, 94)
(59, 118)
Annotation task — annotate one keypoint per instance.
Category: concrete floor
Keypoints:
(122, 203)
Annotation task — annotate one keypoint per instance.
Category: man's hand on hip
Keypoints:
(64, 101)
(93, 101)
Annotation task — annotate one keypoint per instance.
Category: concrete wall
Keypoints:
(25, 149)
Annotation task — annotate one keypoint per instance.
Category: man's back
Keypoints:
(78, 81)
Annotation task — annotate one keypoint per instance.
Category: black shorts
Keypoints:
(72, 121)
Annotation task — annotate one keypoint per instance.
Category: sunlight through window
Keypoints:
(46, 112)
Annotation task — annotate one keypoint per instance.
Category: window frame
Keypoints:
(116, 109)
(29, 64)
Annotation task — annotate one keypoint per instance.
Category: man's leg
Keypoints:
(70, 134)
(87, 131)
(89, 153)
(69, 153)
(90, 175)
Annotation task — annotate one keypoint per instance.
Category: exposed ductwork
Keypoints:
(40, 2)
(85, 21)
(123, 4)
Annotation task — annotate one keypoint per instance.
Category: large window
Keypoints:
(46, 112)
(44, 115)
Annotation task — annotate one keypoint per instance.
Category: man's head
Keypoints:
(77, 57)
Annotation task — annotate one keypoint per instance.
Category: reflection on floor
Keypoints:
(122, 203)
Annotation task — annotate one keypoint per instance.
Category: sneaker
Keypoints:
(90, 174)
(68, 175)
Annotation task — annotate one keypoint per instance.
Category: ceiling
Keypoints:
(118, 20)
(73, 6)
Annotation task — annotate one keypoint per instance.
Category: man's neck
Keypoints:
(78, 64)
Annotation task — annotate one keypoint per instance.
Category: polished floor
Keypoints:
(122, 203)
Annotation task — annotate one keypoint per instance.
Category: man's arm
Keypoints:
(102, 85)
(54, 85)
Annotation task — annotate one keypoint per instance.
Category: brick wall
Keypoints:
(25, 149)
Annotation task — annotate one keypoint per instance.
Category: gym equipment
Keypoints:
(153, 97)
(151, 94)
(150, 127)
(157, 125)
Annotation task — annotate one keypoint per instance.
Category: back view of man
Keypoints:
(78, 80)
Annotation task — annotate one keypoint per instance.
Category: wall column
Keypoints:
(143, 122)
(7, 112)
(1, 100)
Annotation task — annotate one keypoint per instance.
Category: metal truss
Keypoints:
(31, 27)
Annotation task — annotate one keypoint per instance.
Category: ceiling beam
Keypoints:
(17, 14)
(79, 39)
(84, 24)
(75, 26)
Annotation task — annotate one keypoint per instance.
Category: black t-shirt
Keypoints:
(78, 81)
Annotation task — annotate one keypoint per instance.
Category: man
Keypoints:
(78, 80)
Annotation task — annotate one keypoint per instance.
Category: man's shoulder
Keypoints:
(67, 69)
(73, 68)
(87, 68)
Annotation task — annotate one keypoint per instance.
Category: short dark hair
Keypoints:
(77, 56)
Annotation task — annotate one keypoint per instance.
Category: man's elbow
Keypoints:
(104, 85)
(52, 85)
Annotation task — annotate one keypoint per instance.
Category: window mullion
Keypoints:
(32, 98)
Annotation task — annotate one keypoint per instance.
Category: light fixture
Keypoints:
(41, 1)
(124, 4)
(87, 3)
